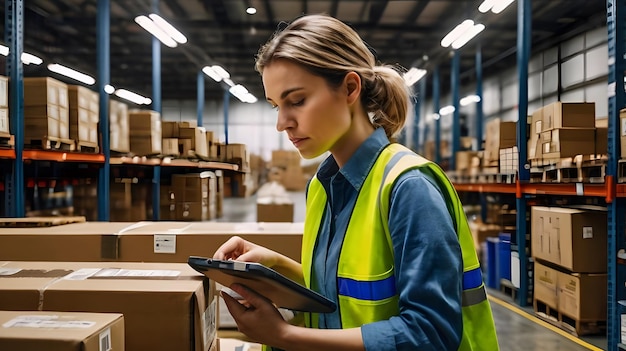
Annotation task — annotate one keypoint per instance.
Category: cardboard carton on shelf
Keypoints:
(61, 331)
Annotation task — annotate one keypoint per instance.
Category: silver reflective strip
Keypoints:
(474, 296)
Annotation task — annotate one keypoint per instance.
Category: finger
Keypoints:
(230, 249)
(234, 307)
(251, 297)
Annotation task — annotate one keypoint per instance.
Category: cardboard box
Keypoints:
(568, 115)
(98, 241)
(193, 187)
(546, 285)
(82, 97)
(170, 147)
(499, 135)
(4, 120)
(622, 126)
(573, 239)
(4, 91)
(567, 142)
(274, 212)
(40, 91)
(61, 331)
(165, 306)
(582, 296)
(176, 241)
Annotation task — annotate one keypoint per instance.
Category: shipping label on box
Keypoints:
(4, 91)
(4, 120)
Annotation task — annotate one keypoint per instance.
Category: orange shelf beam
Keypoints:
(7, 153)
(486, 188)
(60, 156)
(571, 189)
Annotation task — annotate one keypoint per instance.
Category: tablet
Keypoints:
(282, 291)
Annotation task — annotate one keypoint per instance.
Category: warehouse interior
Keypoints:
(161, 150)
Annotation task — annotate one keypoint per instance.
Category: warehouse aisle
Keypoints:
(517, 328)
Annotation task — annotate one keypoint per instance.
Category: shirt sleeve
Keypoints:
(428, 268)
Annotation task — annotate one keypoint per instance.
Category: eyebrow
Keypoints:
(285, 93)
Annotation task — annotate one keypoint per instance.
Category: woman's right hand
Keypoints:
(238, 249)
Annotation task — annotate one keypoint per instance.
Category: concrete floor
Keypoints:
(517, 327)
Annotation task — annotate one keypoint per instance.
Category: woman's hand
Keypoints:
(238, 249)
(257, 317)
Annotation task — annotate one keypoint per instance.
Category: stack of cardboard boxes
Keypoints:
(46, 113)
(569, 248)
(118, 125)
(84, 117)
(4, 106)
(145, 132)
(194, 197)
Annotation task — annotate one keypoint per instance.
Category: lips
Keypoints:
(296, 141)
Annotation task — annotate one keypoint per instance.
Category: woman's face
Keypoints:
(316, 117)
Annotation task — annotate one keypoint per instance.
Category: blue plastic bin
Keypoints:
(504, 256)
(492, 263)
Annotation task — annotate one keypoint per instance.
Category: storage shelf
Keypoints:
(7, 153)
(60, 156)
(144, 161)
(572, 189)
(486, 188)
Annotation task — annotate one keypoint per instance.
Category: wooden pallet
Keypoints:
(30, 222)
(546, 312)
(51, 143)
(87, 147)
(567, 323)
(7, 141)
(507, 288)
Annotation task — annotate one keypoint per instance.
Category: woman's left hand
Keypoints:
(258, 318)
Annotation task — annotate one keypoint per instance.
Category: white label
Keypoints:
(165, 243)
(9, 271)
(117, 272)
(587, 233)
(623, 126)
(209, 327)
(610, 89)
(46, 321)
(623, 327)
(579, 189)
(105, 340)
(82, 274)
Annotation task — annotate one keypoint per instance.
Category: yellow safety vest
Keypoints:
(366, 288)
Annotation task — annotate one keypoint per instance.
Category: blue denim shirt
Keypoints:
(427, 254)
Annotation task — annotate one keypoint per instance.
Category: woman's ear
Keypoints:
(352, 83)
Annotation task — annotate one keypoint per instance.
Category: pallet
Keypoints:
(567, 323)
(51, 143)
(507, 288)
(7, 141)
(87, 147)
(546, 312)
(579, 169)
(31, 222)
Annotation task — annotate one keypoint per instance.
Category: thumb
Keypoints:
(250, 296)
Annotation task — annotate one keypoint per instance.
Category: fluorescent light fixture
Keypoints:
(133, 97)
(249, 98)
(456, 32)
(251, 10)
(446, 110)
(109, 89)
(155, 30)
(27, 58)
(221, 71)
(413, 76)
(436, 116)
(211, 73)
(241, 93)
(496, 6)
(501, 5)
(470, 99)
(238, 90)
(467, 36)
(168, 28)
(68, 72)
(229, 82)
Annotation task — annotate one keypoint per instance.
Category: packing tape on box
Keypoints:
(42, 290)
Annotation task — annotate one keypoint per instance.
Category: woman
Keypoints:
(385, 236)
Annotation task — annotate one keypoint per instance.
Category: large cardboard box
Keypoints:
(89, 241)
(573, 239)
(499, 135)
(582, 296)
(273, 212)
(176, 241)
(545, 285)
(568, 115)
(567, 142)
(165, 306)
(61, 331)
(40, 91)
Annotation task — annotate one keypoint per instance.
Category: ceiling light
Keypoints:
(109, 89)
(168, 28)
(155, 30)
(229, 82)
(221, 71)
(241, 93)
(413, 75)
(456, 32)
(68, 72)
(251, 10)
(468, 35)
(501, 5)
(446, 110)
(496, 6)
(211, 73)
(27, 58)
(4, 50)
(132, 97)
(470, 99)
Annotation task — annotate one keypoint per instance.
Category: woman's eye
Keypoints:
(299, 102)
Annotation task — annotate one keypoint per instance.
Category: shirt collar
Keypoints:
(358, 166)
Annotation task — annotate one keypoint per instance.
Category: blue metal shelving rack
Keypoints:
(104, 77)
(616, 26)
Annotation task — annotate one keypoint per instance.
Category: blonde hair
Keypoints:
(329, 48)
